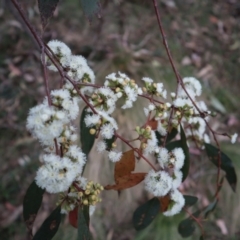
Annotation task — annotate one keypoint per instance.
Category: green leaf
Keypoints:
(49, 226)
(83, 223)
(190, 200)
(91, 8)
(181, 144)
(109, 142)
(210, 208)
(46, 9)
(31, 204)
(145, 214)
(226, 164)
(87, 139)
(187, 227)
(170, 136)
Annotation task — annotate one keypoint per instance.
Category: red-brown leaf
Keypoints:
(73, 217)
(164, 203)
(125, 166)
(127, 181)
(153, 124)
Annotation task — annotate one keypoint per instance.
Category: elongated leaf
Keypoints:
(226, 164)
(46, 9)
(31, 204)
(127, 181)
(190, 200)
(49, 226)
(187, 227)
(171, 135)
(182, 144)
(145, 214)
(125, 165)
(86, 214)
(91, 8)
(87, 139)
(210, 208)
(83, 222)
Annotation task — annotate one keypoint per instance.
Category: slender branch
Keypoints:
(45, 76)
(34, 33)
(197, 220)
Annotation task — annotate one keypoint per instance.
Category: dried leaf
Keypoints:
(127, 181)
(164, 202)
(153, 124)
(125, 166)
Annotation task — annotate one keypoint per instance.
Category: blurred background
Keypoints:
(204, 38)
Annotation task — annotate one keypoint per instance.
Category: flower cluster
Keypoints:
(123, 87)
(51, 122)
(166, 181)
(82, 191)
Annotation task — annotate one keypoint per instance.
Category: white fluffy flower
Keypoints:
(79, 69)
(177, 178)
(45, 123)
(38, 115)
(101, 146)
(81, 181)
(193, 87)
(60, 94)
(77, 156)
(182, 102)
(59, 48)
(56, 175)
(152, 144)
(128, 104)
(179, 158)
(109, 119)
(140, 91)
(206, 138)
(114, 156)
(158, 183)
(234, 138)
(123, 75)
(164, 94)
(91, 120)
(131, 93)
(71, 106)
(161, 129)
(198, 126)
(147, 80)
(111, 76)
(107, 131)
(176, 204)
(163, 157)
(151, 107)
